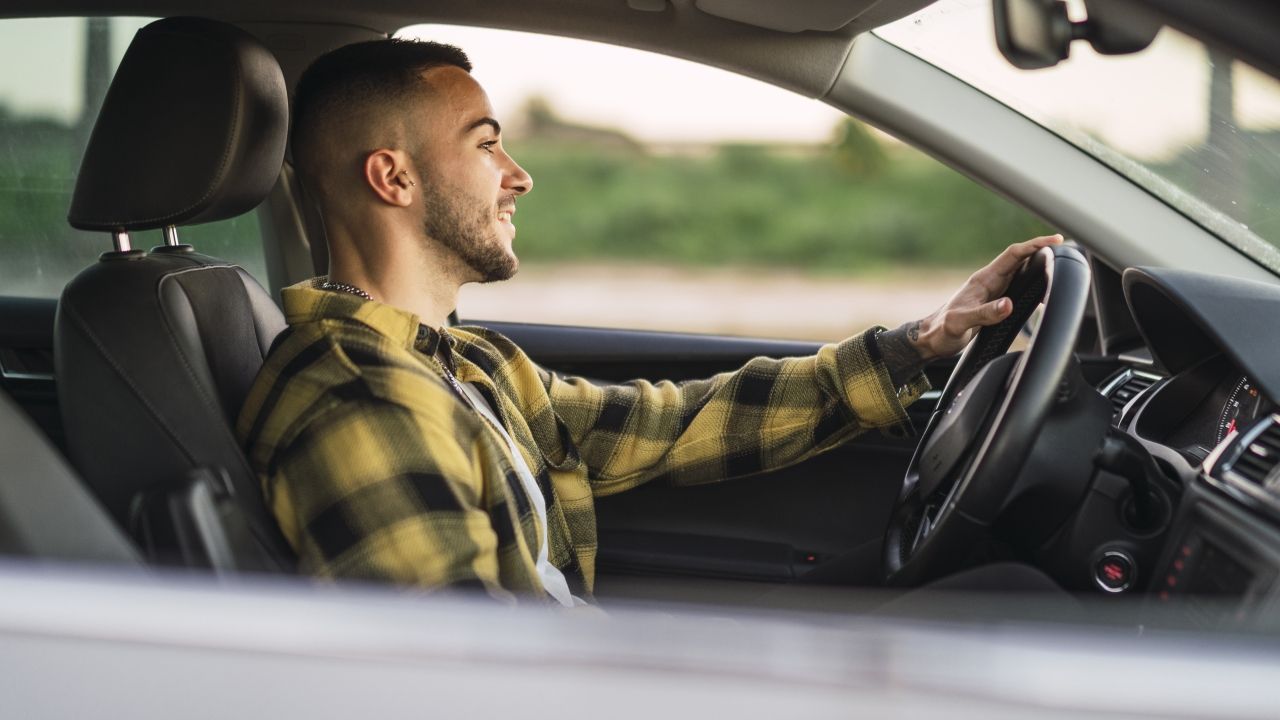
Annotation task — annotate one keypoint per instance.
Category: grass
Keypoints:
(759, 207)
(855, 208)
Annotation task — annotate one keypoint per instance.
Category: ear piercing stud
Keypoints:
(405, 173)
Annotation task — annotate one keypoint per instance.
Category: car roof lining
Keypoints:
(804, 62)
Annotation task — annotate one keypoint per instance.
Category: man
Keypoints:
(393, 449)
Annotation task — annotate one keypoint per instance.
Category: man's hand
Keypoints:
(945, 332)
(976, 304)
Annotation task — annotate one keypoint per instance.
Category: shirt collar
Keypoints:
(306, 302)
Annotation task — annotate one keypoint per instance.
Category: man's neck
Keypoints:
(397, 273)
(431, 303)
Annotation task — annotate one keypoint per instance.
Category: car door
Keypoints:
(769, 529)
(775, 527)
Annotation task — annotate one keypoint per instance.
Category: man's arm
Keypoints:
(773, 413)
(769, 414)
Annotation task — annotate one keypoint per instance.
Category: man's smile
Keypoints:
(506, 210)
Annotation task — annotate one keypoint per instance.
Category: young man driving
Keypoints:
(393, 448)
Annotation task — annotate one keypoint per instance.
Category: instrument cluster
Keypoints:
(1198, 409)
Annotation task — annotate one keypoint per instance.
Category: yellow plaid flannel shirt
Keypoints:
(375, 469)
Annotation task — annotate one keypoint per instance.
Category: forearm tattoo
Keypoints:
(900, 354)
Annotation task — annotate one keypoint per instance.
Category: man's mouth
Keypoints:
(506, 209)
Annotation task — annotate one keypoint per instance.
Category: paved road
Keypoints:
(753, 303)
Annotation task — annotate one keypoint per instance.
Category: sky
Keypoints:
(652, 97)
(616, 87)
(41, 63)
(1150, 105)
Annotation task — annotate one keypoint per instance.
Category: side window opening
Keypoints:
(54, 73)
(673, 196)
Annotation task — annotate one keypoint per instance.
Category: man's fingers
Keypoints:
(990, 313)
(978, 304)
(995, 276)
(1011, 259)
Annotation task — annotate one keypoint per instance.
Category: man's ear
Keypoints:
(388, 174)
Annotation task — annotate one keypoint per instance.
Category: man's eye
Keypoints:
(487, 146)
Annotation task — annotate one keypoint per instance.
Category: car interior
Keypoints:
(1130, 452)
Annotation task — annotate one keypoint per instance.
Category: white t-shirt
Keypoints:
(552, 579)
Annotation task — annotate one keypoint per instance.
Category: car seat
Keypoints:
(155, 351)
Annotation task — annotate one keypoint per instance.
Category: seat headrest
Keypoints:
(192, 130)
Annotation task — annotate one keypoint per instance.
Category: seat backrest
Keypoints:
(155, 352)
(154, 356)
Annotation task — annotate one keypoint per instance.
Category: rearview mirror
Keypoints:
(1035, 34)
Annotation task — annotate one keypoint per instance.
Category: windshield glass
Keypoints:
(1193, 127)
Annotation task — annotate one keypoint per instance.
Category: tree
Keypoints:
(857, 151)
(1224, 159)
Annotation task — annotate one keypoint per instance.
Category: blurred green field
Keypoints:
(39, 251)
(855, 207)
(757, 206)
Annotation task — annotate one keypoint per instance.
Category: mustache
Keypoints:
(507, 203)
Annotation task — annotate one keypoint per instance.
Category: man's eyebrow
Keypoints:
(497, 129)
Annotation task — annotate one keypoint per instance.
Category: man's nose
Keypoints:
(517, 180)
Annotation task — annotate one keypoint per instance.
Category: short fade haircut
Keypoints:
(348, 83)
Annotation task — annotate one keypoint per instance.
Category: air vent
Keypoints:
(1123, 387)
(1260, 458)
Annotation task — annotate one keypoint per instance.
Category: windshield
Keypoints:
(1193, 127)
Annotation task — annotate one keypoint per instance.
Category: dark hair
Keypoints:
(353, 78)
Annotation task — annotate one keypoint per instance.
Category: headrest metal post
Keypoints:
(170, 235)
(121, 240)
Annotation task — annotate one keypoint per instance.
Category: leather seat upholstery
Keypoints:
(155, 352)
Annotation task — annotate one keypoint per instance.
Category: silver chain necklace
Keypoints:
(451, 378)
(343, 287)
(458, 390)
(448, 374)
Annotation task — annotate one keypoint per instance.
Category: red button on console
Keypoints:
(1113, 571)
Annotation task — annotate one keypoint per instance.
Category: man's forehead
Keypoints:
(456, 99)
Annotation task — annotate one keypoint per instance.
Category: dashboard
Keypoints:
(1205, 407)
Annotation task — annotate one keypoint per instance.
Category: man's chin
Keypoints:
(498, 273)
(507, 274)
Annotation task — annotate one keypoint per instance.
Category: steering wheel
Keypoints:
(986, 423)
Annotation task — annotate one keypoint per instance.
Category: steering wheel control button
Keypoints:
(1114, 571)
(959, 427)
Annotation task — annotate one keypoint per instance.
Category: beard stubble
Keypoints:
(465, 226)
